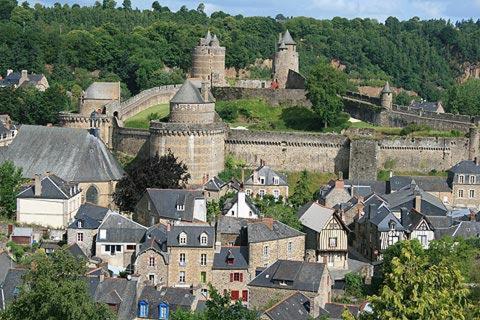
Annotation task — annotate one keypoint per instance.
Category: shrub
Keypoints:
(228, 112)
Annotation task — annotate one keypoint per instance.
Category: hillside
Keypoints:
(152, 47)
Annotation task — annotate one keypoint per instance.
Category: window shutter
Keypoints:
(231, 277)
(241, 276)
(245, 295)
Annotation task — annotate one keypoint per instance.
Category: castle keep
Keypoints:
(286, 58)
(208, 61)
(195, 134)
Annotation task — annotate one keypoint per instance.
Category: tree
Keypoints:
(163, 172)
(201, 8)
(127, 4)
(213, 210)
(109, 4)
(325, 86)
(418, 289)
(54, 289)
(6, 8)
(302, 193)
(10, 182)
(220, 307)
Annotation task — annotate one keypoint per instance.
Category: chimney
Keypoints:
(38, 185)
(218, 246)
(204, 91)
(472, 216)
(340, 184)
(169, 227)
(418, 203)
(9, 72)
(476, 160)
(268, 222)
(24, 77)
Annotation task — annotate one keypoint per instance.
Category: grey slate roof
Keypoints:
(190, 93)
(193, 235)
(155, 238)
(121, 230)
(119, 291)
(269, 174)
(467, 229)
(466, 166)
(365, 187)
(426, 106)
(214, 184)
(381, 217)
(386, 88)
(165, 201)
(71, 154)
(412, 220)
(14, 79)
(315, 216)
(90, 215)
(103, 91)
(53, 187)
(77, 252)
(296, 306)
(238, 254)
(333, 311)
(428, 184)
(230, 225)
(6, 263)
(11, 285)
(287, 38)
(299, 275)
(260, 232)
(176, 298)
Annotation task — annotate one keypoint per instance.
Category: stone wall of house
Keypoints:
(144, 270)
(287, 97)
(290, 151)
(88, 243)
(192, 266)
(277, 251)
(254, 190)
(221, 280)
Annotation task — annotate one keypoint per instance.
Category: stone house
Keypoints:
(24, 79)
(151, 260)
(83, 230)
(464, 180)
(73, 155)
(191, 252)
(117, 241)
(418, 227)
(232, 231)
(285, 277)
(157, 304)
(215, 188)
(240, 206)
(270, 240)
(436, 107)
(50, 202)
(97, 95)
(168, 205)
(230, 272)
(326, 235)
(266, 181)
(119, 294)
(350, 211)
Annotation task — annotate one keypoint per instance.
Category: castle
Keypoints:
(197, 136)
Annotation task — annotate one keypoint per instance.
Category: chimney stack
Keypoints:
(218, 246)
(24, 77)
(418, 203)
(9, 72)
(268, 222)
(38, 185)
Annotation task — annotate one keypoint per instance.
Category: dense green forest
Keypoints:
(152, 47)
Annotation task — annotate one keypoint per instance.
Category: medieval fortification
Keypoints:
(196, 134)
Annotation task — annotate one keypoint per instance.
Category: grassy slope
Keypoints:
(142, 119)
(389, 131)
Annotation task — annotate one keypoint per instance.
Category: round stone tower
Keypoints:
(208, 61)
(194, 133)
(286, 58)
(386, 97)
(474, 143)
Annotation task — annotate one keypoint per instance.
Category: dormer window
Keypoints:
(204, 239)
(230, 261)
(163, 311)
(461, 178)
(182, 238)
(180, 207)
(79, 224)
(143, 309)
(283, 282)
(391, 224)
(276, 181)
(261, 180)
(472, 179)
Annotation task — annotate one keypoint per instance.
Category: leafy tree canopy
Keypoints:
(10, 182)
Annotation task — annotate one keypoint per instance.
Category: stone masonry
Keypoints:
(208, 61)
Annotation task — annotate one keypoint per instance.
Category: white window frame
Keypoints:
(332, 240)
(182, 238)
(80, 235)
(152, 261)
(261, 180)
(276, 194)
(471, 193)
(182, 259)
(461, 193)
(248, 192)
(182, 278)
(261, 193)
(472, 179)
(276, 180)
(266, 252)
(461, 178)
(203, 259)
(204, 239)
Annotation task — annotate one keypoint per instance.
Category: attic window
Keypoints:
(230, 260)
(180, 207)
(262, 180)
(143, 309)
(79, 224)
(182, 238)
(204, 239)
(276, 181)
(461, 178)
(283, 283)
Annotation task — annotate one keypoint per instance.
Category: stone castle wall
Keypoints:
(208, 63)
(289, 97)
(102, 124)
(130, 141)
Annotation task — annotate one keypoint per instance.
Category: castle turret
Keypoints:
(208, 60)
(386, 97)
(286, 58)
(474, 143)
(194, 133)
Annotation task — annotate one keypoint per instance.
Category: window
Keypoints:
(204, 292)
(103, 234)
(265, 252)
(332, 242)
(203, 259)
(131, 247)
(261, 193)
(151, 278)
(180, 207)
(262, 180)
(392, 239)
(182, 238)
(142, 309)
(331, 258)
(245, 295)
(423, 240)
(276, 181)
(234, 295)
(112, 249)
(149, 206)
(181, 278)
(276, 194)
(461, 178)
(203, 277)
(80, 237)
(163, 311)
(471, 193)
(248, 192)
(236, 277)
(182, 259)
(460, 193)
(79, 224)
(204, 239)
(92, 194)
(151, 261)
(472, 179)
(289, 247)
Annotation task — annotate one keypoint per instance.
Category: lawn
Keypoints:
(390, 131)
(142, 119)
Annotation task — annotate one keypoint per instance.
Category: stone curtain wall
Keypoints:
(130, 141)
(290, 151)
(288, 97)
(363, 163)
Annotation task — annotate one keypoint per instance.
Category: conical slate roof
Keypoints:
(287, 38)
(188, 93)
(282, 46)
(386, 89)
